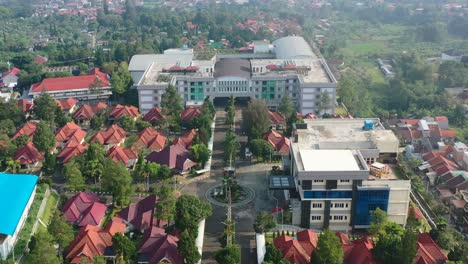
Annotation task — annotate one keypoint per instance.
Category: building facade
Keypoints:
(288, 67)
(332, 185)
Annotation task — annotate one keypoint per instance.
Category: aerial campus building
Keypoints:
(340, 173)
(17, 195)
(269, 72)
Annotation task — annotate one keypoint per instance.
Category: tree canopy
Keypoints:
(329, 249)
(264, 222)
(256, 119)
(44, 139)
(117, 180)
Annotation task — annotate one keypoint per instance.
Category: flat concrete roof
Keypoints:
(328, 160)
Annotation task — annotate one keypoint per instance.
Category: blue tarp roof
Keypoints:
(15, 191)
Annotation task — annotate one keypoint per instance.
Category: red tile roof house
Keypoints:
(25, 106)
(69, 132)
(86, 112)
(93, 241)
(84, 87)
(298, 250)
(278, 120)
(428, 251)
(124, 110)
(28, 156)
(153, 116)
(70, 150)
(84, 209)
(10, 78)
(140, 215)
(159, 247)
(150, 139)
(28, 129)
(190, 113)
(174, 156)
(186, 139)
(126, 156)
(68, 106)
(278, 142)
(112, 136)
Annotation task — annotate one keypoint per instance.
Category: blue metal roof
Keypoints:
(15, 191)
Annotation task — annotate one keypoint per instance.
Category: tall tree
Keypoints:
(200, 154)
(272, 255)
(72, 172)
(286, 106)
(91, 162)
(124, 248)
(11, 111)
(49, 165)
(329, 249)
(150, 170)
(117, 180)
(61, 230)
(256, 119)
(264, 223)
(166, 204)
(231, 147)
(7, 127)
(324, 102)
(187, 248)
(229, 255)
(171, 102)
(208, 107)
(189, 212)
(379, 220)
(44, 139)
(45, 107)
(43, 252)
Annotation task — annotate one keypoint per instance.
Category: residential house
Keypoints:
(93, 241)
(277, 119)
(140, 215)
(278, 142)
(297, 250)
(186, 140)
(68, 105)
(189, 113)
(10, 78)
(459, 209)
(28, 129)
(25, 106)
(428, 251)
(84, 209)
(310, 116)
(86, 112)
(358, 251)
(28, 156)
(159, 247)
(41, 59)
(112, 136)
(69, 132)
(174, 156)
(427, 131)
(126, 156)
(153, 116)
(70, 150)
(94, 86)
(150, 139)
(124, 110)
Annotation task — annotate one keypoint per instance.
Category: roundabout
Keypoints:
(214, 192)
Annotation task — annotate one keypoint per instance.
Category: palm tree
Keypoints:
(12, 165)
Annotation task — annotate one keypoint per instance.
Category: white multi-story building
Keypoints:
(287, 67)
(331, 184)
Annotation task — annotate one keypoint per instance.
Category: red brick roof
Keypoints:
(279, 143)
(292, 250)
(174, 156)
(113, 135)
(153, 114)
(140, 214)
(122, 110)
(71, 83)
(66, 104)
(411, 122)
(441, 118)
(70, 150)
(15, 71)
(84, 209)
(190, 113)
(87, 111)
(359, 252)
(28, 129)
(151, 139)
(277, 118)
(25, 105)
(123, 155)
(310, 116)
(70, 132)
(186, 139)
(93, 241)
(28, 154)
(428, 251)
(159, 246)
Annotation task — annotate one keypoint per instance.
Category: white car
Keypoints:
(248, 154)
